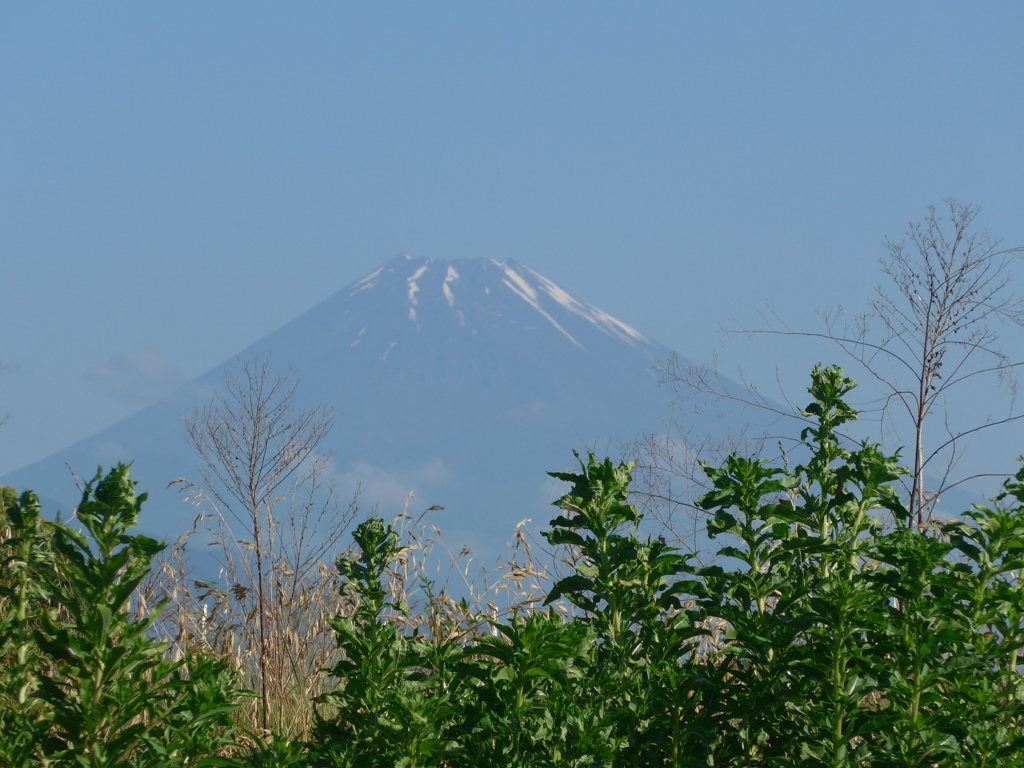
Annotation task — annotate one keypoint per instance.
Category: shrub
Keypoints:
(87, 685)
(832, 631)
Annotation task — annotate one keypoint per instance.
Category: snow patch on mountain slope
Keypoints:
(414, 288)
(450, 278)
(413, 285)
(593, 315)
(526, 284)
(525, 291)
(367, 282)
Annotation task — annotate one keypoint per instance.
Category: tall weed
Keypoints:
(89, 686)
(831, 631)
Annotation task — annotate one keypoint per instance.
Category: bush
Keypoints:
(83, 683)
(832, 631)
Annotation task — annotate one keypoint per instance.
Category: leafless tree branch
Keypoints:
(259, 452)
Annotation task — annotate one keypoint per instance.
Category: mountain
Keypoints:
(462, 381)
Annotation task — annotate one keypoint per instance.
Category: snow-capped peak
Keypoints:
(472, 291)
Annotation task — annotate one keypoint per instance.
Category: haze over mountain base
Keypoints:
(461, 382)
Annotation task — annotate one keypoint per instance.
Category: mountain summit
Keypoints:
(461, 381)
(481, 294)
(477, 322)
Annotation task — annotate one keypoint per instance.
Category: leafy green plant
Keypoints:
(8, 497)
(103, 692)
(520, 708)
(629, 592)
(387, 710)
(25, 555)
(832, 631)
(853, 644)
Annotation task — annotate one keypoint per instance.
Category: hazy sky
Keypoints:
(179, 179)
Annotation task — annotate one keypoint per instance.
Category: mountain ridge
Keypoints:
(450, 379)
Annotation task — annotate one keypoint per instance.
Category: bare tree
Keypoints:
(947, 284)
(260, 452)
(928, 333)
(668, 475)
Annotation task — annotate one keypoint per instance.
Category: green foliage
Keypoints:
(515, 712)
(8, 497)
(629, 591)
(853, 645)
(25, 571)
(87, 686)
(829, 632)
(387, 710)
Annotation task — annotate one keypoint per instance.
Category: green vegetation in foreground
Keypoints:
(831, 632)
(81, 681)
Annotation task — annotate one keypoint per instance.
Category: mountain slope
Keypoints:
(463, 381)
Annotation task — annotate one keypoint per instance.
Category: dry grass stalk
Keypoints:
(449, 595)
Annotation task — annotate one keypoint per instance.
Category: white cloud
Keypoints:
(389, 487)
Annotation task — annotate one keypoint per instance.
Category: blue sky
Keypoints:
(179, 179)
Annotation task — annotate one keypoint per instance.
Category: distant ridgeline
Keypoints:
(462, 382)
